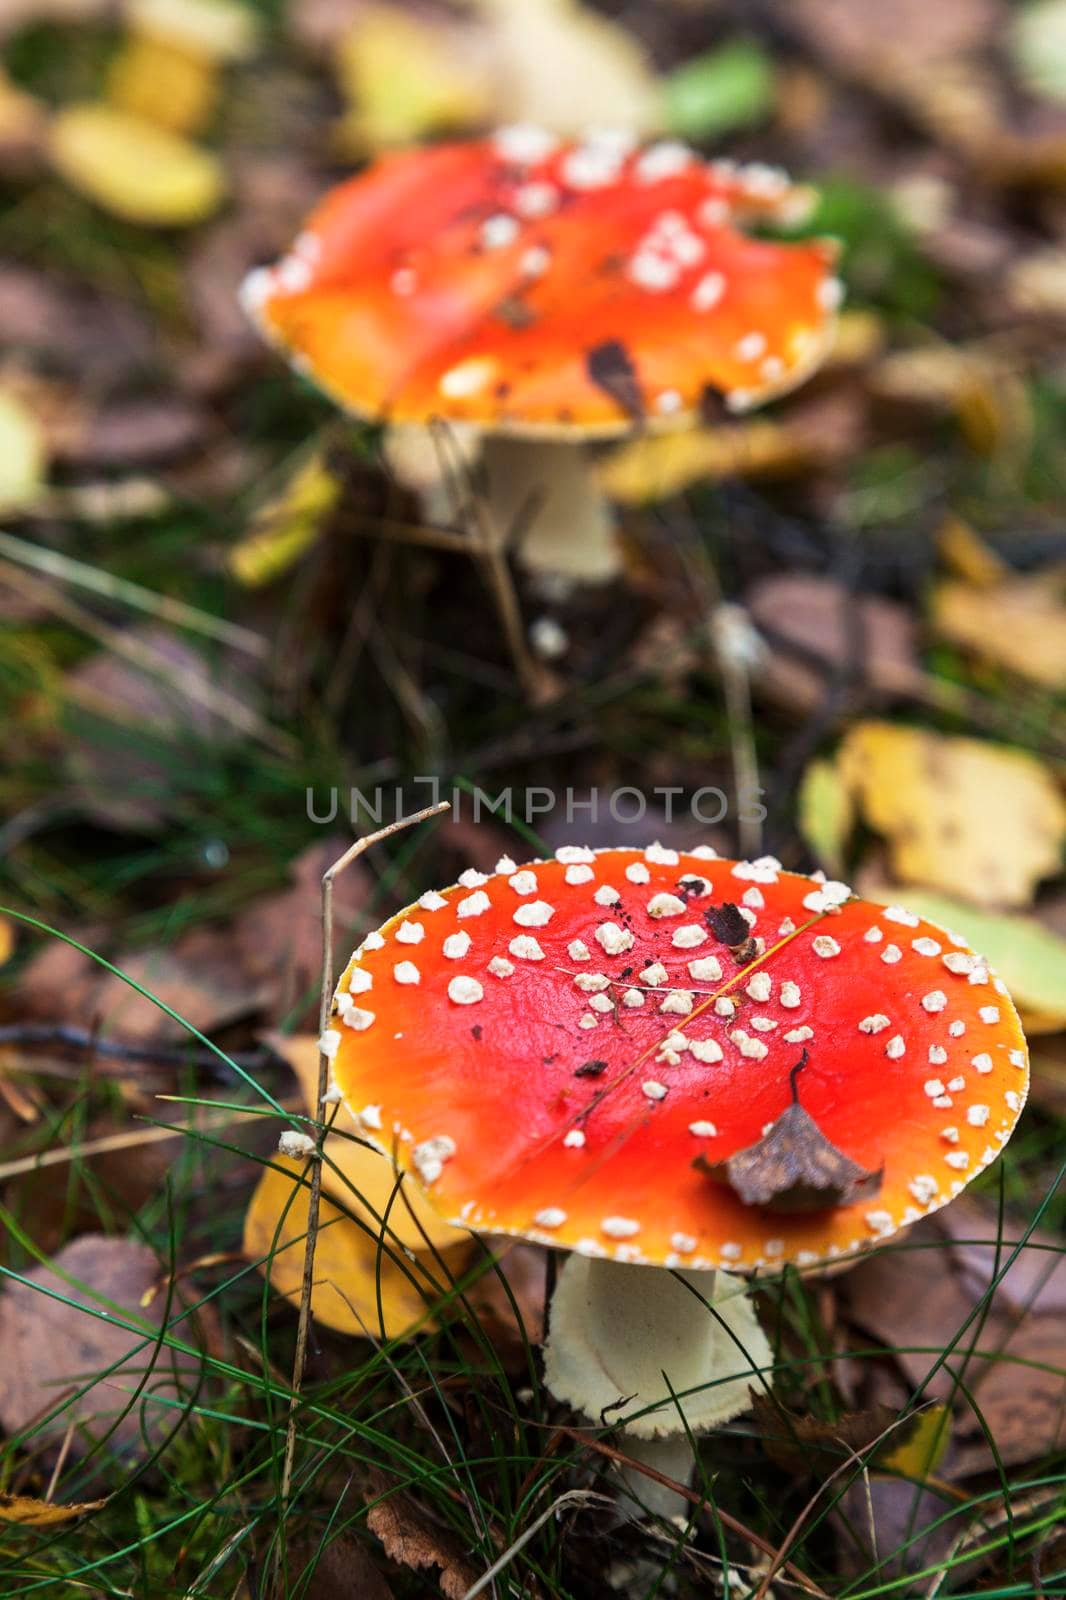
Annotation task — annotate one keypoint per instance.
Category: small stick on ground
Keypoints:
(315, 1186)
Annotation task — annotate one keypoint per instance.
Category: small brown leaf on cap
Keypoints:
(610, 366)
(727, 924)
(793, 1167)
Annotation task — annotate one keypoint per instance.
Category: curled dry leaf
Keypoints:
(31, 1513)
(133, 168)
(972, 819)
(351, 1266)
(412, 1540)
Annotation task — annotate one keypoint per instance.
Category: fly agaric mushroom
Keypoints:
(654, 1059)
(541, 293)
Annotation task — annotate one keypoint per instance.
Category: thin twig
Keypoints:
(28, 1034)
(315, 1185)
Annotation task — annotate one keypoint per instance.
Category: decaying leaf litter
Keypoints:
(219, 596)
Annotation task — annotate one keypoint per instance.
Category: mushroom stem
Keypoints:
(661, 1354)
(543, 493)
(673, 1457)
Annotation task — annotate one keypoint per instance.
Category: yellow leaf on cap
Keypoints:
(1020, 624)
(357, 1176)
(1029, 957)
(286, 525)
(405, 77)
(134, 169)
(350, 1266)
(981, 821)
(32, 1513)
(22, 454)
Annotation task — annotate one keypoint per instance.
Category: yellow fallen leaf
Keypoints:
(988, 397)
(286, 525)
(23, 463)
(1029, 957)
(356, 1176)
(919, 1448)
(658, 465)
(966, 553)
(163, 83)
(568, 68)
(405, 77)
(981, 821)
(133, 168)
(1020, 624)
(825, 814)
(219, 30)
(350, 1268)
(32, 1513)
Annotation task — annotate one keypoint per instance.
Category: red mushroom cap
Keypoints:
(522, 284)
(550, 1048)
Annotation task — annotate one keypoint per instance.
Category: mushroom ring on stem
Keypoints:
(664, 1060)
(522, 288)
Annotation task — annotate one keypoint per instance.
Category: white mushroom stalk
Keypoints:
(680, 1350)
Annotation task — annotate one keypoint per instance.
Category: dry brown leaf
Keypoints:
(814, 626)
(278, 939)
(412, 1540)
(813, 1446)
(53, 1345)
(349, 1265)
(31, 1513)
(1020, 624)
(916, 1300)
(981, 821)
(197, 978)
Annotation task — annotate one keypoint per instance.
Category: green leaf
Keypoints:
(715, 93)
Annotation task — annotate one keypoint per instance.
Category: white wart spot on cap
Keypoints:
(824, 945)
(677, 1003)
(614, 940)
(465, 991)
(895, 1047)
(873, 935)
(537, 914)
(875, 1023)
(760, 987)
(799, 1035)
(633, 998)
(989, 1014)
(429, 1157)
(578, 874)
(524, 882)
(525, 948)
(574, 1139)
(606, 895)
(706, 1051)
(652, 1089)
(925, 946)
(472, 878)
(406, 972)
(688, 936)
(659, 856)
(934, 1001)
(891, 954)
(982, 1062)
(637, 872)
(500, 967)
(665, 905)
(898, 914)
(475, 905)
(707, 969)
(432, 901)
(790, 995)
(655, 975)
(578, 950)
(456, 945)
(359, 981)
(550, 1217)
(924, 1188)
(410, 933)
(619, 1227)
